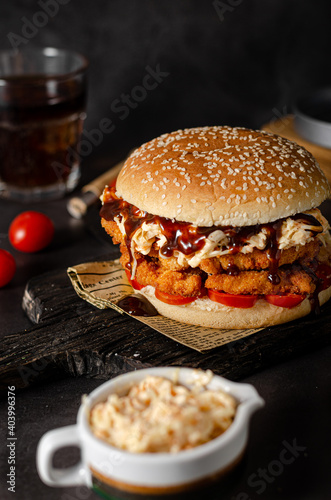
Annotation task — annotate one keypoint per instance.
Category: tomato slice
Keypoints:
(288, 301)
(232, 300)
(176, 300)
(133, 282)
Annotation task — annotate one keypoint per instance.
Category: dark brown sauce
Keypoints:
(232, 269)
(273, 252)
(313, 297)
(307, 218)
(187, 238)
(137, 305)
(181, 236)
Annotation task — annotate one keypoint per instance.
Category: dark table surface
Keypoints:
(297, 393)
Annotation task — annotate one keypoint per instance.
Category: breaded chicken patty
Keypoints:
(251, 274)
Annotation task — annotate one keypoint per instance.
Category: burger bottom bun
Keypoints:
(210, 314)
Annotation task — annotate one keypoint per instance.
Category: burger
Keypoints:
(219, 227)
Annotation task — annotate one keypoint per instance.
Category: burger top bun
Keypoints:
(222, 176)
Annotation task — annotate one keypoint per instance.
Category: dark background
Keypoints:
(241, 64)
(234, 62)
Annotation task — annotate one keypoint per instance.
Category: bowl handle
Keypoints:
(48, 445)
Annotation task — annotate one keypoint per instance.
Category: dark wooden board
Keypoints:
(72, 338)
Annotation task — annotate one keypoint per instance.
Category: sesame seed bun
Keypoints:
(222, 176)
(209, 314)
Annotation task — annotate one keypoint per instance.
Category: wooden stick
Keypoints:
(78, 205)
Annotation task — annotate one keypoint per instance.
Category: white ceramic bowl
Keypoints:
(102, 466)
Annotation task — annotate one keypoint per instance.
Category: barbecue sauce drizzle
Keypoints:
(137, 306)
(186, 238)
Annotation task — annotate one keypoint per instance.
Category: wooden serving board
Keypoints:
(71, 338)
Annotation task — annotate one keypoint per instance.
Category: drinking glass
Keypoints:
(42, 111)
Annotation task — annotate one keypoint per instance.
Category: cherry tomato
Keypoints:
(288, 301)
(324, 273)
(232, 300)
(7, 267)
(176, 300)
(133, 282)
(31, 231)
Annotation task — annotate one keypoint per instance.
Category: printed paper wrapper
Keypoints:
(104, 284)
